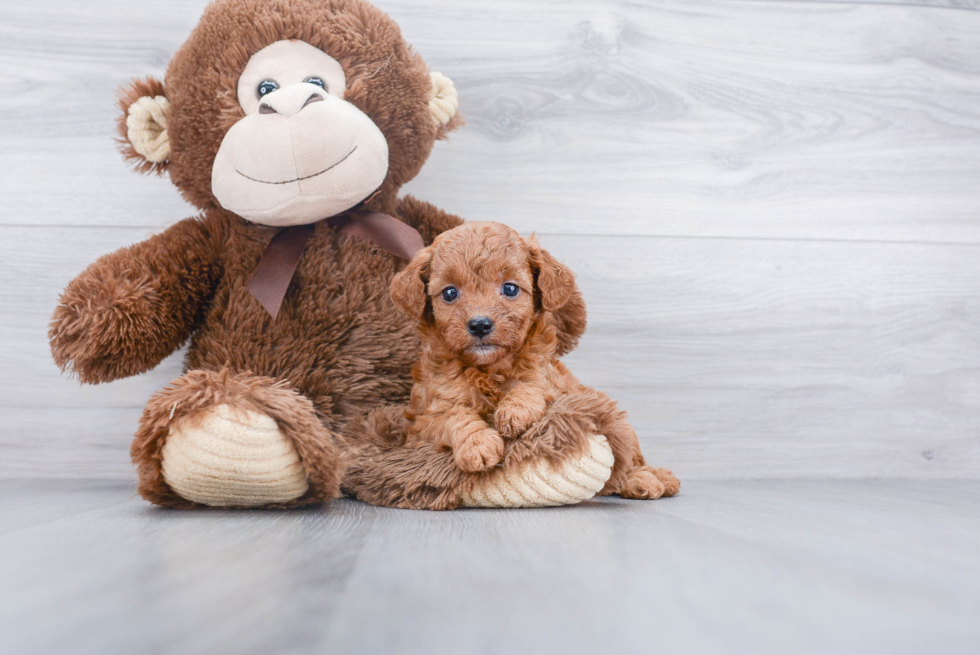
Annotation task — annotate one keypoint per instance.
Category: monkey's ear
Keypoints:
(444, 105)
(408, 287)
(554, 282)
(144, 140)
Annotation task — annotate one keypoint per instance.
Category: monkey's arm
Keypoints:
(425, 217)
(131, 308)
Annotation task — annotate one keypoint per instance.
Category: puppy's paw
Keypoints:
(671, 484)
(480, 451)
(643, 484)
(512, 419)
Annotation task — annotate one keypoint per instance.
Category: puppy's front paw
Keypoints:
(479, 451)
(513, 420)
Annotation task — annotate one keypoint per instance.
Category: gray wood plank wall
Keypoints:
(773, 209)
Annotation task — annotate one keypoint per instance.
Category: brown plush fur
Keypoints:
(385, 469)
(337, 348)
(196, 392)
(474, 392)
(386, 80)
(126, 96)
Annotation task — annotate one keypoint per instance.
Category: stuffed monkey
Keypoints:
(291, 125)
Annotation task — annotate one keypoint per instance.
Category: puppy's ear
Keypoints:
(143, 137)
(408, 287)
(553, 281)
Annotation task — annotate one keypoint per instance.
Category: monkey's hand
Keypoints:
(130, 309)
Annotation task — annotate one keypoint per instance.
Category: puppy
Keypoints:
(485, 300)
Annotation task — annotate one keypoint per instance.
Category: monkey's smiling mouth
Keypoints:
(305, 177)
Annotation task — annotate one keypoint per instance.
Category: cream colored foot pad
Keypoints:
(232, 458)
(537, 485)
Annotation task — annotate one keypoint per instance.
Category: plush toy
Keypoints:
(291, 125)
(489, 388)
(488, 372)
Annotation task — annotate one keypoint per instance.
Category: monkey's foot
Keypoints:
(535, 484)
(227, 457)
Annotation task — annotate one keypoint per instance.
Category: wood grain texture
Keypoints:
(734, 358)
(788, 119)
(796, 120)
(772, 208)
(726, 567)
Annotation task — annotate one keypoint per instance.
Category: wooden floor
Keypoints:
(726, 567)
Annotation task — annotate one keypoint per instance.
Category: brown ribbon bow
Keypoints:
(277, 266)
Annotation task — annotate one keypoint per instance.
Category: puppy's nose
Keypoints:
(480, 326)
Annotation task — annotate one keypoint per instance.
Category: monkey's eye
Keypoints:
(266, 87)
(450, 294)
(510, 290)
(317, 81)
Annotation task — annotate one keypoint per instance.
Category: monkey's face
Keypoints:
(302, 152)
(289, 111)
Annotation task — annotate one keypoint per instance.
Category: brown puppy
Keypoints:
(485, 300)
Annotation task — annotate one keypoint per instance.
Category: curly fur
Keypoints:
(338, 348)
(475, 393)
(191, 395)
(384, 468)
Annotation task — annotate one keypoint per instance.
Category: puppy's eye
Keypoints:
(266, 87)
(511, 290)
(450, 294)
(317, 81)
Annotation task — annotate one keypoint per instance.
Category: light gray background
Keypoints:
(774, 212)
(773, 209)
